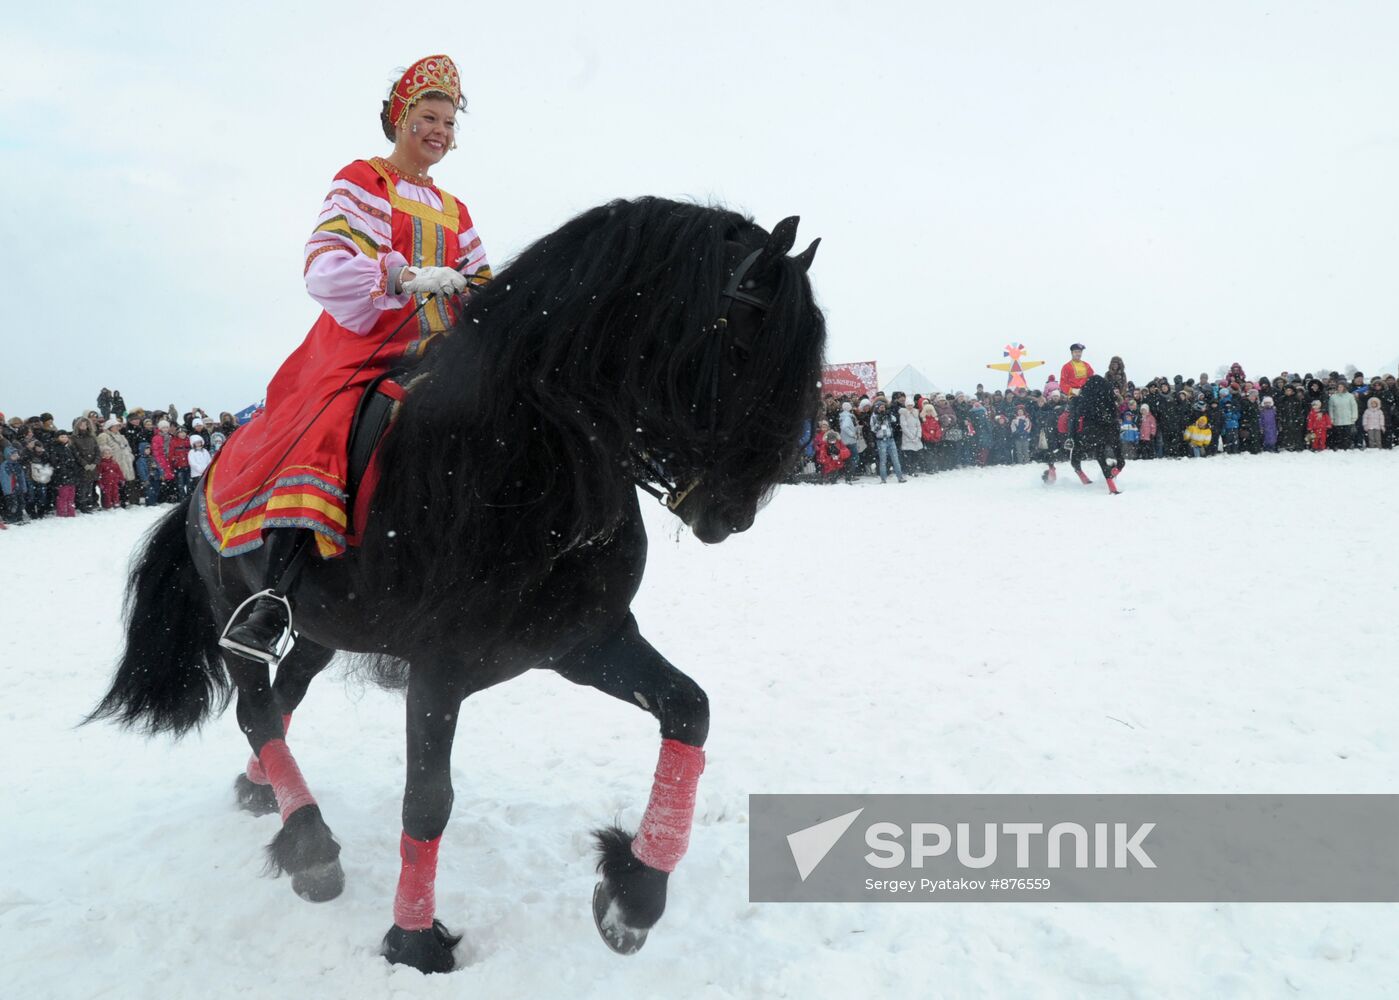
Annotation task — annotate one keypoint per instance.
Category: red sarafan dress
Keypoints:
(374, 221)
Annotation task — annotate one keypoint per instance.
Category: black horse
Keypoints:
(643, 342)
(1093, 430)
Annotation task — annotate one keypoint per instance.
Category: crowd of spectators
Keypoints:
(903, 434)
(106, 459)
(111, 458)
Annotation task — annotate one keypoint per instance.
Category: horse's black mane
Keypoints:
(594, 343)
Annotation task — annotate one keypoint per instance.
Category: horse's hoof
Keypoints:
(257, 799)
(428, 950)
(319, 883)
(607, 916)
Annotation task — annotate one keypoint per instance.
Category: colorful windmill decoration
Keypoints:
(1016, 367)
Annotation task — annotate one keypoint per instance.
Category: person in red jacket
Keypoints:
(160, 450)
(832, 457)
(1075, 372)
(179, 461)
(1318, 423)
(109, 480)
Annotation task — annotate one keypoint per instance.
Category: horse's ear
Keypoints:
(784, 234)
(808, 255)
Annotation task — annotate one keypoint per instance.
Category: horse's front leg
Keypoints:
(252, 788)
(1110, 474)
(304, 847)
(417, 938)
(635, 869)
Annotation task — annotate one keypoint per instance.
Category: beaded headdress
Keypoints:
(429, 75)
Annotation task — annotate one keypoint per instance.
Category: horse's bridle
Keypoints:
(738, 289)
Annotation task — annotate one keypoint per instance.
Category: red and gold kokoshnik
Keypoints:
(431, 74)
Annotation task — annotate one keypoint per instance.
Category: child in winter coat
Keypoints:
(67, 470)
(1020, 429)
(109, 479)
(1127, 430)
(14, 485)
(1268, 422)
(179, 461)
(1373, 422)
(1149, 445)
(1318, 423)
(199, 457)
(1198, 436)
(149, 473)
(1230, 411)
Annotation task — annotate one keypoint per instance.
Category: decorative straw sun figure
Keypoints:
(1016, 367)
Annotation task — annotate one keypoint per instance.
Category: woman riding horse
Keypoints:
(386, 240)
(645, 342)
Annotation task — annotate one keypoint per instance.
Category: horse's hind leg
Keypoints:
(294, 674)
(304, 846)
(635, 869)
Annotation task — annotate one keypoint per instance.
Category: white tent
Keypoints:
(909, 380)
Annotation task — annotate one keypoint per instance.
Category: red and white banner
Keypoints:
(855, 377)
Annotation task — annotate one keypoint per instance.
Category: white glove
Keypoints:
(436, 281)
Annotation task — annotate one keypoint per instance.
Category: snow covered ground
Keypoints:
(1224, 626)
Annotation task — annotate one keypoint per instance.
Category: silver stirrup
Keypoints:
(283, 647)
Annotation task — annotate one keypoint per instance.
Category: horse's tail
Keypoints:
(171, 674)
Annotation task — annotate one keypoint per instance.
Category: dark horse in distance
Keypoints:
(644, 342)
(1093, 430)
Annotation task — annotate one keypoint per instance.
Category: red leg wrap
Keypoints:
(416, 901)
(665, 827)
(287, 782)
(255, 772)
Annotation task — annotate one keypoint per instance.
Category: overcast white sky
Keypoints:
(1184, 184)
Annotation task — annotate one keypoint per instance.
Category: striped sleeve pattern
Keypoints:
(350, 254)
(472, 251)
(352, 220)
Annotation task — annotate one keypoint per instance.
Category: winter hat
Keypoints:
(1268, 401)
(197, 422)
(104, 450)
(12, 453)
(1146, 408)
(164, 425)
(1316, 404)
(195, 440)
(845, 407)
(111, 422)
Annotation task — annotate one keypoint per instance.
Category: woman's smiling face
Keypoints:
(436, 123)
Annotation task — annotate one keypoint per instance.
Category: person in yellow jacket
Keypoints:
(1198, 436)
